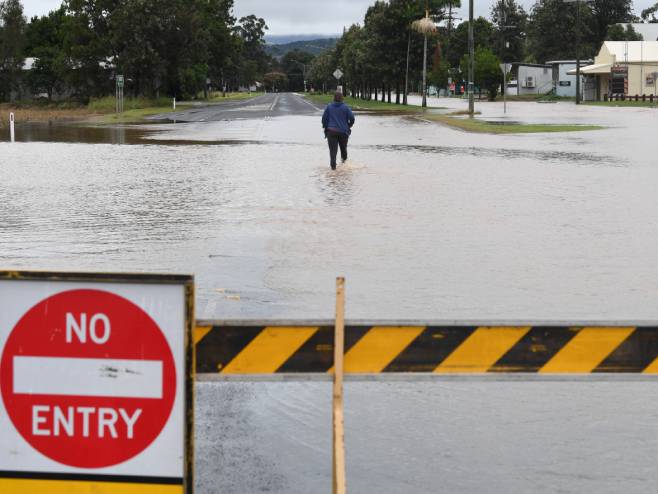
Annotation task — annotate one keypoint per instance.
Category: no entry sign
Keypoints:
(94, 380)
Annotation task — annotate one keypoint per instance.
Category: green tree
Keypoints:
(606, 13)
(254, 60)
(509, 20)
(44, 40)
(483, 36)
(649, 14)
(12, 47)
(319, 73)
(617, 32)
(487, 74)
(552, 31)
(296, 64)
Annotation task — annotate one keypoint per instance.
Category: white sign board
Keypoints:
(94, 380)
(338, 74)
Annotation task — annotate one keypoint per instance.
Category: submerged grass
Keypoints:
(644, 104)
(359, 104)
(482, 126)
(215, 97)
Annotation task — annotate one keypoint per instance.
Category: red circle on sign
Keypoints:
(110, 421)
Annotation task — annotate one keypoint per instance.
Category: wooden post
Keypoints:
(338, 428)
(12, 132)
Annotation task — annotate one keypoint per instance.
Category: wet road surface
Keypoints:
(265, 106)
(426, 222)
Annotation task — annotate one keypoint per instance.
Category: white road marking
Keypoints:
(276, 100)
(308, 102)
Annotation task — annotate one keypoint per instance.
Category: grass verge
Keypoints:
(484, 127)
(136, 115)
(31, 112)
(359, 104)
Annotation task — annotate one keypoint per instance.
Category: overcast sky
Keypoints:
(308, 16)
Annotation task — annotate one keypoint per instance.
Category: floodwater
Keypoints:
(411, 437)
(426, 222)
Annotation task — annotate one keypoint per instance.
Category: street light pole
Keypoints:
(471, 60)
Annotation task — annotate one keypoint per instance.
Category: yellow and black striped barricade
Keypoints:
(232, 348)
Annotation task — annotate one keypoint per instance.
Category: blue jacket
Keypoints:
(338, 117)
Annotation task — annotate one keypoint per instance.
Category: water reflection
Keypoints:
(65, 132)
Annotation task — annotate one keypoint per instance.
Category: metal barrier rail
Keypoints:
(258, 347)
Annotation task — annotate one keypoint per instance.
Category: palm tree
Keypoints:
(425, 26)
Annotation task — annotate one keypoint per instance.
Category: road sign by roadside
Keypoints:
(338, 74)
(95, 381)
(120, 81)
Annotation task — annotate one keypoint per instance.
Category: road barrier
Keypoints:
(232, 348)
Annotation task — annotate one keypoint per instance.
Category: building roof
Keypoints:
(568, 62)
(600, 68)
(523, 64)
(649, 31)
(633, 51)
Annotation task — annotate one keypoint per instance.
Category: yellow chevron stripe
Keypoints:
(29, 486)
(269, 350)
(481, 349)
(586, 350)
(200, 332)
(379, 347)
(652, 368)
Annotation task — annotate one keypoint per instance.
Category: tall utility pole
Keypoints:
(471, 59)
(502, 25)
(424, 104)
(577, 2)
(577, 52)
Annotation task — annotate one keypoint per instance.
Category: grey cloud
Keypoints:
(310, 16)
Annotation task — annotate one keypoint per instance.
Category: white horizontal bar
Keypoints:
(432, 322)
(88, 377)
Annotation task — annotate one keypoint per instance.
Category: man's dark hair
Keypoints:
(338, 96)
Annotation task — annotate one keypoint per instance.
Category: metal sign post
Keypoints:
(338, 74)
(119, 94)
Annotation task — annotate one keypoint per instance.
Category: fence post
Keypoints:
(338, 417)
(12, 132)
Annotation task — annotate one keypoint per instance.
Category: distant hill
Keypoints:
(312, 46)
(282, 39)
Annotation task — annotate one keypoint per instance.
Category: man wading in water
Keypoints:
(337, 122)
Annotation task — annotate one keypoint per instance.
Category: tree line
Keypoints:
(374, 55)
(182, 48)
(163, 48)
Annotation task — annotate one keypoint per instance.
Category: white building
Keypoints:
(532, 78)
(623, 68)
(564, 83)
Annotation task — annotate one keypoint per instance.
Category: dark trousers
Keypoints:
(336, 139)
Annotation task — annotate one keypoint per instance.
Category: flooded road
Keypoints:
(426, 222)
